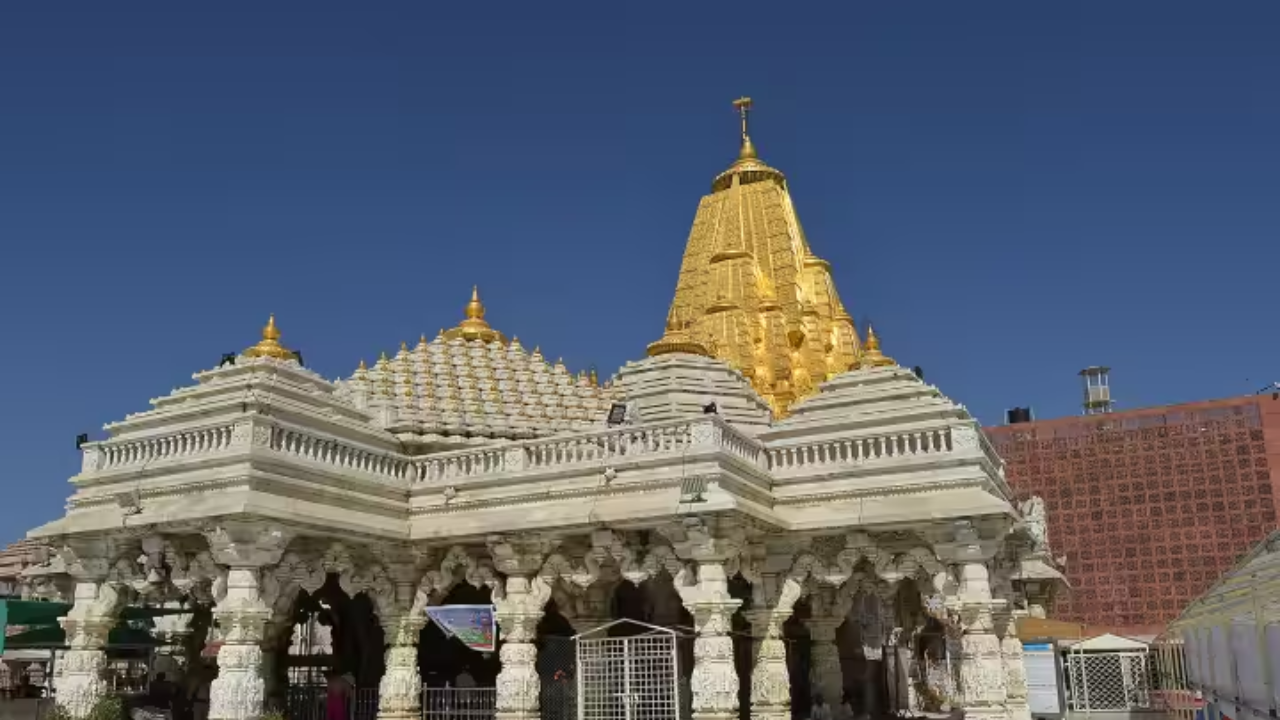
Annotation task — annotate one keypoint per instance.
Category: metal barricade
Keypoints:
(307, 702)
(459, 703)
(633, 677)
(1109, 681)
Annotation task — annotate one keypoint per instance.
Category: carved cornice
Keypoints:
(932, 487)
(459, 505)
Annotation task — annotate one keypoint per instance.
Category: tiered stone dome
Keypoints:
(469, 382)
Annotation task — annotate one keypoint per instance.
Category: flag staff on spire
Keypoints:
(748, 151)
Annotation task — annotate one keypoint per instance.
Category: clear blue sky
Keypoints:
(1010, 190)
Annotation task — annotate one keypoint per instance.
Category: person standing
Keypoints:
(337, 697)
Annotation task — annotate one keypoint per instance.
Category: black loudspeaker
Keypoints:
(1018, 415)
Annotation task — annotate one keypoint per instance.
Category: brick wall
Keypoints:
(1148, 507)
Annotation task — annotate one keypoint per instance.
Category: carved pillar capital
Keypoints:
(706, 540)
(246, 543)
(520, 554)
(965, 542)
(91, 558)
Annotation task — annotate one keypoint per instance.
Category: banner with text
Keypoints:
(474, 625)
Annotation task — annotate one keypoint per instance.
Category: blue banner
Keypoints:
(474, 625)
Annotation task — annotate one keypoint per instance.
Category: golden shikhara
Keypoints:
(752, 293)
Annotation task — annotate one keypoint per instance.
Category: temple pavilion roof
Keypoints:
(471, 381)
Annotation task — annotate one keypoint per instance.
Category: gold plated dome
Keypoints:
(752, 292)
(677, 340)
(474, 327)
(269, 345)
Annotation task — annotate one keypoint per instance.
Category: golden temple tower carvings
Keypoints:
(752, 293)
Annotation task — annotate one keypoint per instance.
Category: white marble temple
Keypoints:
(472, 461)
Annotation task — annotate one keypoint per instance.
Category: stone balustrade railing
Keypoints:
(111, 455)
(385, 465)
(857, 451)
(594, 448)
(989, 451)
(140, 453)
(597, 448)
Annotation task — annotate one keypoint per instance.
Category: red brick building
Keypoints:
(1148, 507)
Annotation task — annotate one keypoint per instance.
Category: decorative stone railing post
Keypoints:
(400, 691)
(519, 608)
(100, 592)
(1015, 673)
(704, 590)
(244, 599)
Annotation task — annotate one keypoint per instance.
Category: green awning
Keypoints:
(53, 637)
(36, 612)
(42, 619)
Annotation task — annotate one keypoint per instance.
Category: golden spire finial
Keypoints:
(474, 327)
(269, 345)
(475, 308)
(871, 355)
(748, 150)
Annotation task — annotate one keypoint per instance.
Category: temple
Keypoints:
(809, 517)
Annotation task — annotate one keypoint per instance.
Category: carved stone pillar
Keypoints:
(867, 608)
(827, 613)
(775, 587)
(97, 601)
(518, 610)
(593, 610)
(714, 682)
(895, 699)
(825, 675)
(1015, 673)
(770, 681)
(85, 661)
(243, 608)
(1037, 593)
(172, 633)
(982, 675)
(400, 690)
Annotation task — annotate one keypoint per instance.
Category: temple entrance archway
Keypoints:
(329, 631)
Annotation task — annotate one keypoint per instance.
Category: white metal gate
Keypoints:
(1102, 681)
(634, 677)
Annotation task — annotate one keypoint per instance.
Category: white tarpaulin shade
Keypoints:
(1230, 636)
(1108, 643)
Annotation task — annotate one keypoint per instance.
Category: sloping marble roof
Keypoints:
(469, 381)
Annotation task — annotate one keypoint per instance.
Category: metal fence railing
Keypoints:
(307, 703)
(449, 703)
(459, 703)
